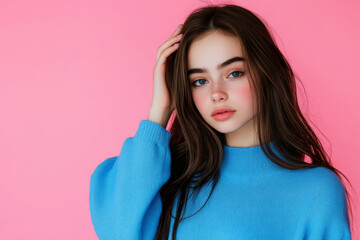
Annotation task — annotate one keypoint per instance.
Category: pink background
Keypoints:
(76, 79)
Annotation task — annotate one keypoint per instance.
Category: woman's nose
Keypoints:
(218, 92)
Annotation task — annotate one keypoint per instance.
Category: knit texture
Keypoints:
(254, 198)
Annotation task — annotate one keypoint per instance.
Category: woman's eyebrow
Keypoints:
(222, 65)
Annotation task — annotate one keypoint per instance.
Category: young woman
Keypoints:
(233, 164)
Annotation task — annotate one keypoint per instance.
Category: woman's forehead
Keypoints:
(213, 49)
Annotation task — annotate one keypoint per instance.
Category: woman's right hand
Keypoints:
(160, 107)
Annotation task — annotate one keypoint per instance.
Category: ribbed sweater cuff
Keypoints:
(152, 131)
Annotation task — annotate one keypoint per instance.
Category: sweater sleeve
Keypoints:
(124, 194)
(328, 214)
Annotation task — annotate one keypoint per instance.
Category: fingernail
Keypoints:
(179, 27)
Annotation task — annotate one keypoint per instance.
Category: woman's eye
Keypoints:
(241, 73)
(193, 83)
(238, 74)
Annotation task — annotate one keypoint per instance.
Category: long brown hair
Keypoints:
(196, 147)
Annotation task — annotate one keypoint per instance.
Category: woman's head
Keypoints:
(260, 87)
(216, 71)
(213, 35)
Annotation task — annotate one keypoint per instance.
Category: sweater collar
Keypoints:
(245, 162)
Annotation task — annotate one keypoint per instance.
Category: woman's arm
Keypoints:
(123, 188)
(328, 215)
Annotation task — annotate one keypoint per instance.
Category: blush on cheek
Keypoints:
(246, 92)
(246, 95)
(199, 102)
(243, 93)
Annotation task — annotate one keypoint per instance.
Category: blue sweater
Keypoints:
(254, 198)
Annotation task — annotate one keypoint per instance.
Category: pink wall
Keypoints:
(76, 79)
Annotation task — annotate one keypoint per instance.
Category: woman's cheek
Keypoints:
(245, 92)
(246, 95)
(200, 102)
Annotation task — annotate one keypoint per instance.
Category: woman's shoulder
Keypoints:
(322, 176)
(322, 182)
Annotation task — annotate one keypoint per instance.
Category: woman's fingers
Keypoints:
(169, 47)
(169, 42)
(177, 31)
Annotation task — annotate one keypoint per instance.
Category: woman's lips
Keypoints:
(223, 116)
(221, 110)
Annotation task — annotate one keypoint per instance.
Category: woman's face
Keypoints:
(227, 86)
